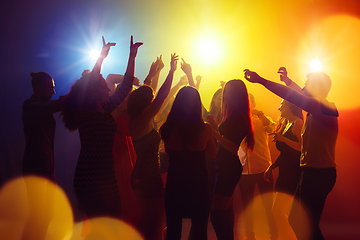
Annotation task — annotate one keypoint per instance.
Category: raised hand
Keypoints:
(161, 63)
(186, 67)
(198, 78)
(134, 47)
(173, 62)
(252, 76)
(283, 75)
(136, 81)
(106, 47)
(153, 69)
(183, 80)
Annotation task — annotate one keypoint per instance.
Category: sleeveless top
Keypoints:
(289, 164)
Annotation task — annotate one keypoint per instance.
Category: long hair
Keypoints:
(185, 117)
(138, 100)
(282, 122)
(216, 112)
(239, 104)
(80, 98)
(213, 109)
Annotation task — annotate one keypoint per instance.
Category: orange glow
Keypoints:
(105, 228)
(34, 206)
(336, 41)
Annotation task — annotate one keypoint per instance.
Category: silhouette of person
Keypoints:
(146, 177)
(88, 109)
(254, 165)
(288, 141)
(235, 127)
(319, 135)
(187, 139)
(39, 130)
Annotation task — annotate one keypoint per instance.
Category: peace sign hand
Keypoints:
(134, 47)
(106, 47)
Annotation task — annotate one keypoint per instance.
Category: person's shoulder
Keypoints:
(329, 109)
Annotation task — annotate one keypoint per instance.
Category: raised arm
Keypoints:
(198, 81)
(150, 111)
(95, 73)
(155, 79)
(290, 83)
(308, 104)
(152, 72)
(123, 90)
(188, 71)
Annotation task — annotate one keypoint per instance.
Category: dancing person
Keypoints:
(254, 165)
(235, 127)
(319, 135)
(287, 136)
(159, 120)
(146, 178)
(124, 154)
(187, 140)
(88, 109)
(39, 129)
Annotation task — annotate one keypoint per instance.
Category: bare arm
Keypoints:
(150, 111)
(265, 121)
(198, 81)
(308, 104)
(155, 79)
(95, 73)
(296, 130)
(188, 71)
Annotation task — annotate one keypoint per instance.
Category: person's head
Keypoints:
(139, 99)
(42, 85)
(84, 90)
(186, 115)
(288, 113)
(235, 98)
(236, 101)
(289, 110)
(318, 84)
(215, 105)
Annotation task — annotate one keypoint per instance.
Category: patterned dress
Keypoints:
(95, 183)
(146, 177)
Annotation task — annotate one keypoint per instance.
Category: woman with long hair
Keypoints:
(146, 177)
(288, 141)
(215, 105)
(88, 109)
(235, 126)
(187, 139)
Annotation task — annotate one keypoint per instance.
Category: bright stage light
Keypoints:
(94, 54)
(209, 51)
(315, 65)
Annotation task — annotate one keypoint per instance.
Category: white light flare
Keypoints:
(94, 54)
(315, 65)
